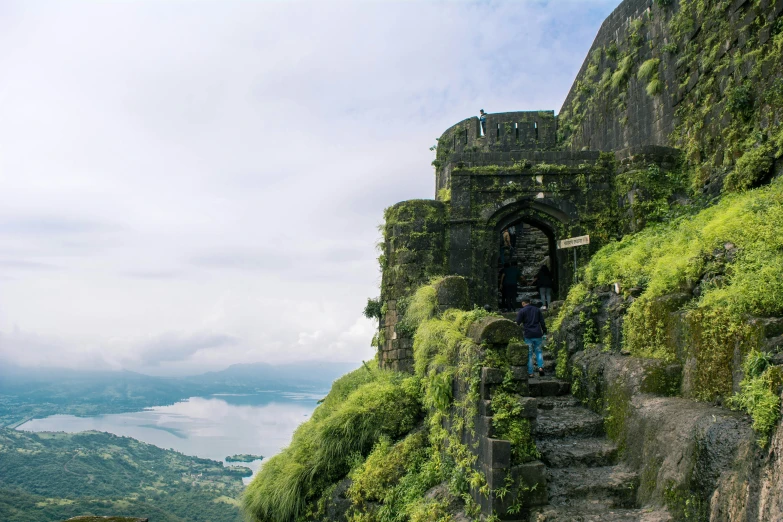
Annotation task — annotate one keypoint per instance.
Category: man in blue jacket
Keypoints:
(532, 321)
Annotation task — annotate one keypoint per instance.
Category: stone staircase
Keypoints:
(585, 483)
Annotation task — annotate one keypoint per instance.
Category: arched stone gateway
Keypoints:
(510, 175)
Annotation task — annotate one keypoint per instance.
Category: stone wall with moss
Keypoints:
(705, 76)
(564, 194)
(414, 251)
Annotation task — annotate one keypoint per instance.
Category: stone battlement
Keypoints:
(505, 131)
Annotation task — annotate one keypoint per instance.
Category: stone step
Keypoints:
(548, 386)
(614, 484)
(597, 511)
(568, 422)
(575, 452)
(564, 401)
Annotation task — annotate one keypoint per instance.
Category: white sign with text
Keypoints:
(573, 242)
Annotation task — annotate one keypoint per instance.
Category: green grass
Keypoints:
(362, 408)
(671, 257)
(623, 72)
(738, 238)
(648, 69)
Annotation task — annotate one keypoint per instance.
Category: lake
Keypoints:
(213, 427)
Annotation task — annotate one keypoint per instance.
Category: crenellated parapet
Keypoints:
(504, 132)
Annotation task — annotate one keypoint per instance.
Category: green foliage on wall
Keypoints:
(372, 309)
(739, 239)
(726, 89)
(735, 92)
(760, 394)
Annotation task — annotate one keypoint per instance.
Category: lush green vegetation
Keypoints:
(759, 393)
(54, 476)
(362, 408)
(387, 432)
(727, 264)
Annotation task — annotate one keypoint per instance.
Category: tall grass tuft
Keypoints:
(623, 72)
(362, 408)
(648, 69)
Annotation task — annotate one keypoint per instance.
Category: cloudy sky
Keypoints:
(187, 185)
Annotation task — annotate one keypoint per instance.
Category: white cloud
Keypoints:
(174, 170)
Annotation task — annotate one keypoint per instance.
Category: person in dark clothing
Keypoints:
(532, 321)
(508, 285)
(543, 281)
(483, 121)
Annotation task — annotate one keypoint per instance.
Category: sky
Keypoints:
(186, 185)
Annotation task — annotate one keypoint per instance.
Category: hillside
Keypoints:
(54, 476)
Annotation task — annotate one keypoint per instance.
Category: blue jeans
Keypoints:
(534, 345)
(546, 296)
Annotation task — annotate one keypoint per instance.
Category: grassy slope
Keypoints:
(739, 239)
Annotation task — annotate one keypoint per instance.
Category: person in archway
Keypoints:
(531, 320)
(483, 121)
(507, 240)
(543, 280)
(508, 285)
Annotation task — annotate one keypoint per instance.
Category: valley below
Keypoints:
(64, 452)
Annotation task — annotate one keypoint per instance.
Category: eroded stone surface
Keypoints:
(568, 422)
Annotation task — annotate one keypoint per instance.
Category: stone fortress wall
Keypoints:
(711, 63)
(664, 82)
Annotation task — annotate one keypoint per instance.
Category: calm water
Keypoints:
(212, 427)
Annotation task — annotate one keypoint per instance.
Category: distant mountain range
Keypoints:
(267, 376)
(27, 393)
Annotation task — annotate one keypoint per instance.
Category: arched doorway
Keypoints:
(524, 247)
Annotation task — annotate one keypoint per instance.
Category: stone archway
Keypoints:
(544, 220)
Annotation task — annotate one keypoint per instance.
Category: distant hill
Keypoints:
(318, 375)
(27, 393)
(54, 476)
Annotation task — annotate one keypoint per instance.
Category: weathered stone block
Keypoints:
(452, 292)
(529, 407)
(519, 373)
(496, 453)
(491, 376)
(494, 331)
(484, 426)
(769, 326)
(486, 390)
(532, 475)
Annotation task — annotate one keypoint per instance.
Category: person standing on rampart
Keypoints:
(483, 121)
(534, 331)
